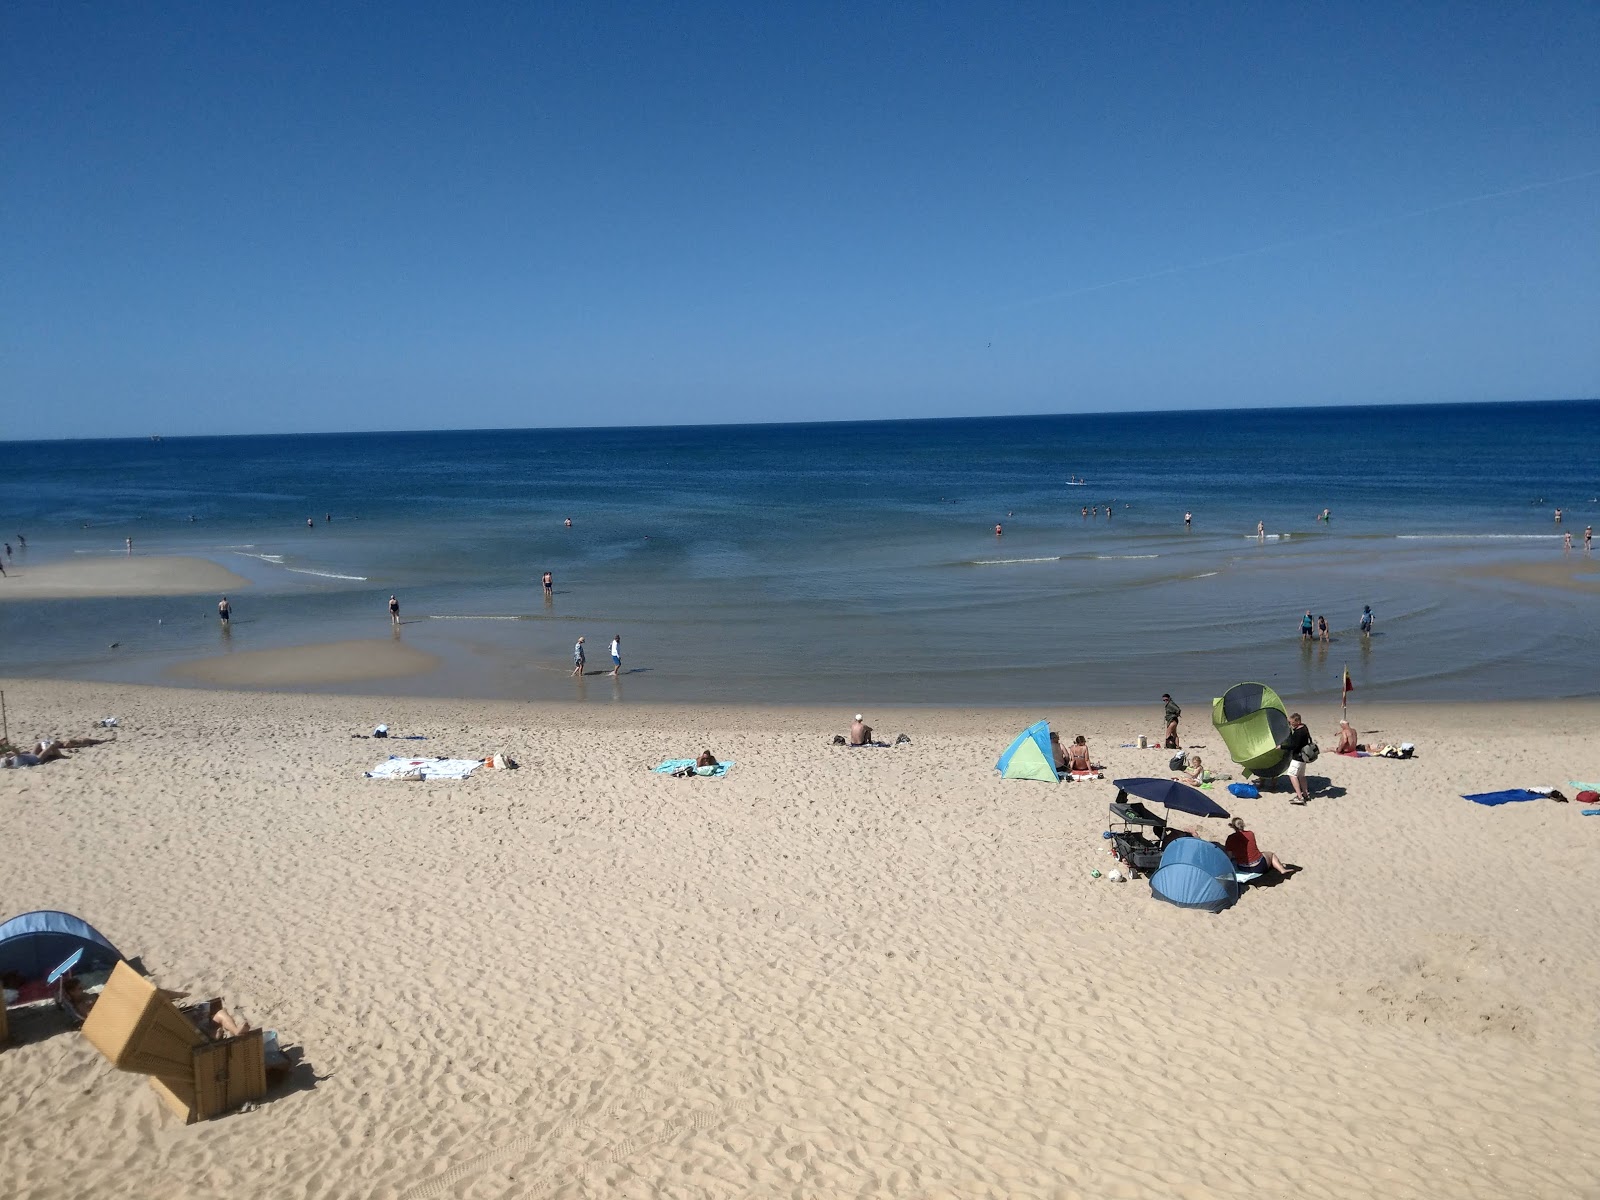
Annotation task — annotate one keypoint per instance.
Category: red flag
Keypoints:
(1348, 686)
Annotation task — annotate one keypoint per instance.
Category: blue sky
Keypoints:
(267, 218)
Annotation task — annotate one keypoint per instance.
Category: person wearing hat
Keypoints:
(577, 658)
(860, 732)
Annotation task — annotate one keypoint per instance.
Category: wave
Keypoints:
(1476, 537)
(1119, 557)
(327, 574)
(275, 559)
(1207, 575)
(471, 617)
(1001, 562)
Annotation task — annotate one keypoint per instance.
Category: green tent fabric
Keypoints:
(1254, 724)
(1029, 756)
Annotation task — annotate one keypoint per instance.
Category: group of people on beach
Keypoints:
(580, 659)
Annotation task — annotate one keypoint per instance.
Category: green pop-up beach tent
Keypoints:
(1029, 756)
(1255, 725)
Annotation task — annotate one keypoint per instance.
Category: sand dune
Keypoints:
(119, 575)
(834, 972)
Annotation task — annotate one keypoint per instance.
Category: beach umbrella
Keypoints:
(1172, 794)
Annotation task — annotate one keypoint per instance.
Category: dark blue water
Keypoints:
(856, 563)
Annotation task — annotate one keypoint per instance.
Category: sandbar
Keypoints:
(308, 666)
(119, 575)
(835, 972)
(1570, 573)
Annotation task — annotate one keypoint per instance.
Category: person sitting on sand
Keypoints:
(706, 759)
(1078, 755)
(1247, 856)
(1194, 770)
(72, 998)
(1347, 739)
(1057, 755)
(860, 732)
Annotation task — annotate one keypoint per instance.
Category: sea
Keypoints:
(855, 564)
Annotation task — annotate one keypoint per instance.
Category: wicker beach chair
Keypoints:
(140, 1028)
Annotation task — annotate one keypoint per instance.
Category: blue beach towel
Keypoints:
(678, 764)
(1510, 796)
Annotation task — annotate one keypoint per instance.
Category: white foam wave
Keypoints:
(1207, 575)
(470, 617)
(276, 559)
(1001, 562)
(327, 574)
(1119, 557)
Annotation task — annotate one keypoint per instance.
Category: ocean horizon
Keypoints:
(856, 562)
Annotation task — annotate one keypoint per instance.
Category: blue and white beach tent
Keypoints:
(1029, 756)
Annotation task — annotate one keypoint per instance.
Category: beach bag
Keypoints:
(1310, 753)
(1245, 791)
(1587, 797)
(1175, 763)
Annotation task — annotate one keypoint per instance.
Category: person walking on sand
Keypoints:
(1170, 713)
(394, 610)
(224, 611)
(549, 582)
(1299, 739)
(577, 659)
(616, 655)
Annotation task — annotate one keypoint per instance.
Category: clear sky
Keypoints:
(223, 218)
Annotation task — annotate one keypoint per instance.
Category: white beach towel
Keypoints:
(427, 768)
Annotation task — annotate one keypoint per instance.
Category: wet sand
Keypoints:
(119, 575)
(329, 663)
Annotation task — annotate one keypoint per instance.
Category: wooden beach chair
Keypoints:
(140, 1028)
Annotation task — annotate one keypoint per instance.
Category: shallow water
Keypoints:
(854, 563)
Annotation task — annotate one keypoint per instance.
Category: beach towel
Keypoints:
(1084, 775)
(426, 768)
(1509, 796)
(1583, 787)
(1247, 791)
(1356, 754)
(680, 764)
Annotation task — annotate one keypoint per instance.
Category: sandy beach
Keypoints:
(834, 972)
(119, 575)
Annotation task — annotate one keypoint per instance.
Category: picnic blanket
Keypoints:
(678, 764)
(428, 768)
(1509, 796)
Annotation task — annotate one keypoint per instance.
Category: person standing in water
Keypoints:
(549, 582)
(1366, 620)
(1261, 530)
(998, 529)
(1566, 542)
(569, 522)
(224, 611)
(129, 542)
(1558, 516)
(577, 658)
(1588, 538)
(1322, 627)
(1188, 520)
(1307, 626)
(616, 655)
(394, 610)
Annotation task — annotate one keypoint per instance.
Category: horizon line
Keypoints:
(1126, 412)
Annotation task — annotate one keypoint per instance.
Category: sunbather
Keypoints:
(1246, 855)
(1057, 754)
(706, 759)
(860, 732)
(1347, 739)
(1078, 755)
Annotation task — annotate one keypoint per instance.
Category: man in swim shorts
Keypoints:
(616, 655)
(224, 611)
(549, 582)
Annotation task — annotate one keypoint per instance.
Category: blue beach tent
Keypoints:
(1029, 756)
(35, 943)
(1195, 873)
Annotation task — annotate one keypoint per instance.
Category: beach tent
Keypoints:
(1195, 873)
(1029, 756)
(1255, 725)
(35, 943)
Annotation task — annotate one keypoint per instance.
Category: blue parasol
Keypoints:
(1172, 794)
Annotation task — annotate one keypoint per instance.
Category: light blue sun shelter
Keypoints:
(1029, 756)
(35, 943)
(1195, 873)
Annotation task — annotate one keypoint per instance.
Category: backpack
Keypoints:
(1176, 763)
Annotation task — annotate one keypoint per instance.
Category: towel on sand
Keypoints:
(1509, 796)
(678, 764)
(1356, 754)
(428, 768)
